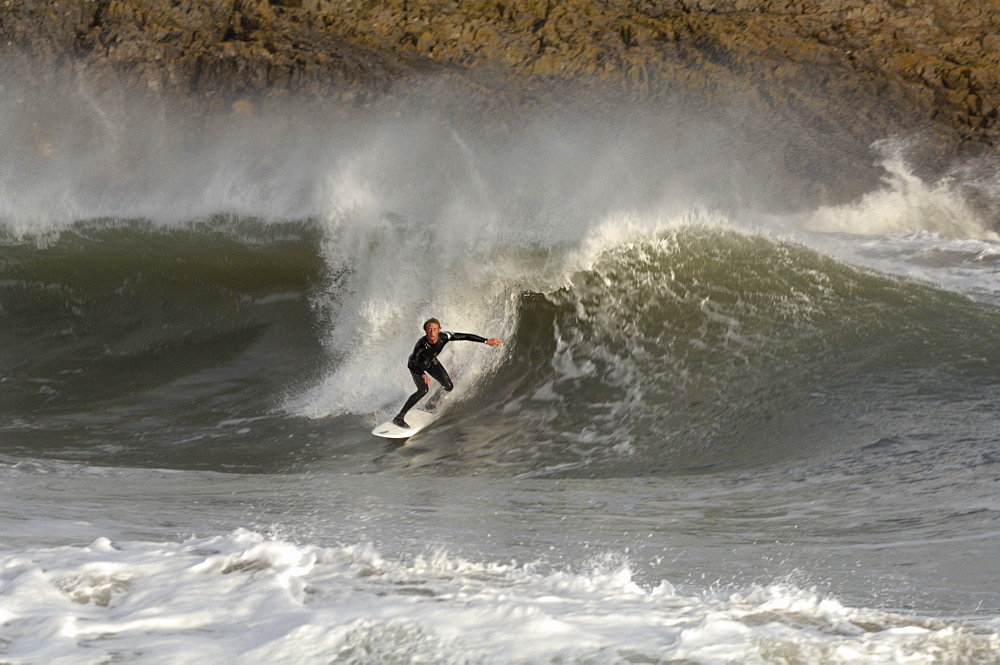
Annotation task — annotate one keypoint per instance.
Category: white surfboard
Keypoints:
(417, 419)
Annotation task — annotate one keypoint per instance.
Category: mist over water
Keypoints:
(732, 418)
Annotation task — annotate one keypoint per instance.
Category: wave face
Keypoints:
(707, 347)
(126, 342)
(168, 282)
(664, 350)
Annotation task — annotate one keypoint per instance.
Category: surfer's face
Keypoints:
(432, 331)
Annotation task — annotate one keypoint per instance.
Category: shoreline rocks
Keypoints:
(844, 72)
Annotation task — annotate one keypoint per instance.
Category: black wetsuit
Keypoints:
(424, 360)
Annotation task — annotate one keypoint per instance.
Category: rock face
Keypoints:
(854, 70)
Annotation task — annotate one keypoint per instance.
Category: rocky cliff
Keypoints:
(852, 71)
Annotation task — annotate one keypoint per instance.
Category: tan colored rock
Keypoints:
(860, 69)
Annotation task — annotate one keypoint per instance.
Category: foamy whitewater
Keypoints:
(724, 427)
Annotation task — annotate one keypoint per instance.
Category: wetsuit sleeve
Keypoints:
(465, 337)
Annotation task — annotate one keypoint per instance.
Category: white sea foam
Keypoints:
(243, 597)
(905, 203)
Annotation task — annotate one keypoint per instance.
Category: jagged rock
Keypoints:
(857, 70)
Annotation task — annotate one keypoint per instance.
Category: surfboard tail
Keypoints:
(417, 419)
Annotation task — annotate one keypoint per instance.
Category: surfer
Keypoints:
(423, 361)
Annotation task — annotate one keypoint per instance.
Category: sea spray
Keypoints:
(905, 203)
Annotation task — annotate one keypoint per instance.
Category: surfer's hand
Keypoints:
(427, 380)
(494, 341)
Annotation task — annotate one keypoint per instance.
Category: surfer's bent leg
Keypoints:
(440, 374)
(418, 381)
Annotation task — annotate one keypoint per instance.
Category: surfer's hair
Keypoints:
(430, 321)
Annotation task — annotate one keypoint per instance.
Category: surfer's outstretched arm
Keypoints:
(469, 337)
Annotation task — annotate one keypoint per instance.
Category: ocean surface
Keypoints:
(724, 426)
